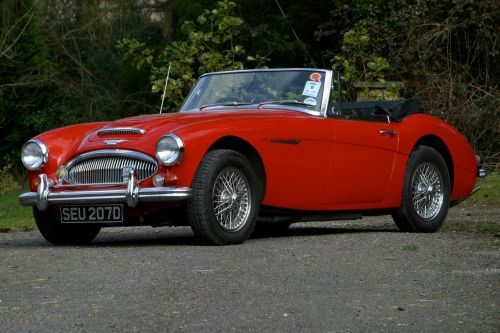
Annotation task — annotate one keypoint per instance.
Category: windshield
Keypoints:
(260, 88)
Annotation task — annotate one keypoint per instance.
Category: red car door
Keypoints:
(362, 163)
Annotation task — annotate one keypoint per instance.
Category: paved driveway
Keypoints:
(319, 277)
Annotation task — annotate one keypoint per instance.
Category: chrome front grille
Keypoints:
(107, 166)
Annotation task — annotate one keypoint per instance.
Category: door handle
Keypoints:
(388, 133)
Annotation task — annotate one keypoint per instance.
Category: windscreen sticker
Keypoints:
(310, 101)
(316, 77)
(311, 89)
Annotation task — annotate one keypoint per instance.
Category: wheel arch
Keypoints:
(438, 144)
(246, 149)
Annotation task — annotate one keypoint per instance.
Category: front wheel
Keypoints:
(426, 192)
(58, 233)
(223, 208)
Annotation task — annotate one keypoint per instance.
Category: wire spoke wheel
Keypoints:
(231, 199)
(225, 203)
(427, 191)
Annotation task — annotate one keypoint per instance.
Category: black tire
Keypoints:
(426, 192)
(211, 203)
(64, 234)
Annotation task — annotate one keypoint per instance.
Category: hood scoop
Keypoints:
(120, 131)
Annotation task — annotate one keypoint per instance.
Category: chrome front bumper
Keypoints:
(131, 195)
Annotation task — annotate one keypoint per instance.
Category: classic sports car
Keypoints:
(267, 147)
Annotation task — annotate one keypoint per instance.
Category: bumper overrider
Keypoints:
(130, 193)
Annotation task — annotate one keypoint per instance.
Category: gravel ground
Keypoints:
(318, 277)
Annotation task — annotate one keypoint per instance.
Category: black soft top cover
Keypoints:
(397, 110)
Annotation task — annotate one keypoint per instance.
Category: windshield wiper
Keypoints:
(223, 104)
(285, 102)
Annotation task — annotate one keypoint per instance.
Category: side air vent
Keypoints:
(121, 131)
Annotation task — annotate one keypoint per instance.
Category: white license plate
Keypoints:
(92, 214)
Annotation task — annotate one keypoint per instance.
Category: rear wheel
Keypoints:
(224, 205)
(58, 233)
(426, 192)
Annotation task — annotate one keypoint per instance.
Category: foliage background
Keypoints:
(69, 61)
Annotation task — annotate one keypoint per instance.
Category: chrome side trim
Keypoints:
(131, 195)
(121, 131)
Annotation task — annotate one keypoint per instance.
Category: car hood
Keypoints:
(172, 121)
(137, 133)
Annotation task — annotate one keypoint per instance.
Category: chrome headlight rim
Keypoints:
(176, 156)
(44, 156)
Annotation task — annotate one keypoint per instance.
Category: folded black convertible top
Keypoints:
(397, 110)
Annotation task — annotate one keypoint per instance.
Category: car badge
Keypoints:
(113, 142)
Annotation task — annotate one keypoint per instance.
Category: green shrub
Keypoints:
(211, 44)
(7, 182)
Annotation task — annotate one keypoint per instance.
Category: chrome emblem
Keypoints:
(113, 142)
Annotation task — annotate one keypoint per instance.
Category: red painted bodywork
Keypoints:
(338, 164)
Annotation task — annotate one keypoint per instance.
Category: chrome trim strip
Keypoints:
(121, 131)
(131, 195)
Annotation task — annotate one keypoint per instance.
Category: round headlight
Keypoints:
(169, 149)
(34, 154)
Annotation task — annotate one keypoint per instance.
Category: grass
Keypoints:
(14, 216)
(489, 194)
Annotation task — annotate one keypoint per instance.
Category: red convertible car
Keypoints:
(267, 147)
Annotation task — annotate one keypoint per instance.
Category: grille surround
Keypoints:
(106, 167)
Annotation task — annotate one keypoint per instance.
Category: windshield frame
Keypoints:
(327, 87)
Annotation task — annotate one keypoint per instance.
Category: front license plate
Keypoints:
(92, 214)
